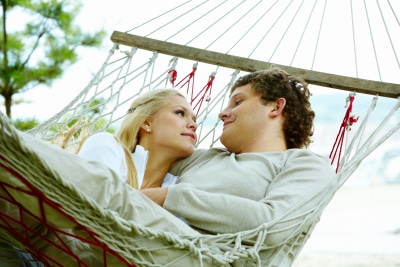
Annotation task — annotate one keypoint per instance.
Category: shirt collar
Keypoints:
(140, 158)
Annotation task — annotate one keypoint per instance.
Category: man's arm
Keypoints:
(157, 194)
(293, 194)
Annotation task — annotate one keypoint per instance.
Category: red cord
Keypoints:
(206, 91)
(172, 74)
(21, 230)
(189, 78)
(188, 81)
(348, 120)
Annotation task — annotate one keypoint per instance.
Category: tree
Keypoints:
(38, 53)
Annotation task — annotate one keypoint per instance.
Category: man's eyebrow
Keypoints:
(234, 94)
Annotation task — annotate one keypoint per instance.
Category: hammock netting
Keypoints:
(38, 203)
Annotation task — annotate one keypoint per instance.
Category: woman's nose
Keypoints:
(193, 125)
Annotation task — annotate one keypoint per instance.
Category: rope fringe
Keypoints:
(348, 120)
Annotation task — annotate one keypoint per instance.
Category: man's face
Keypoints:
(244, 120)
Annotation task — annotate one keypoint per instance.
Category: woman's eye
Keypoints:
(238, 102)
(180, 112)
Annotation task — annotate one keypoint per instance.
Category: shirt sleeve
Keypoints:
(103, 148)
(292, 197)
(87, 181)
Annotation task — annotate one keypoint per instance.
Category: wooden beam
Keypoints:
(250, 65)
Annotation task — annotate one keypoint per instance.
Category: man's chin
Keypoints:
(223, 139)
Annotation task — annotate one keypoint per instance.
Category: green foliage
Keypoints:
(40, 51)
(88, 121)
(25, 124)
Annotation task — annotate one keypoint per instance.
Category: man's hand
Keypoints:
(157, 194)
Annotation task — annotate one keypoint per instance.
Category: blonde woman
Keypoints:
(158, 129)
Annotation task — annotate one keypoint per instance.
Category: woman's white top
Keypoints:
(104, 147)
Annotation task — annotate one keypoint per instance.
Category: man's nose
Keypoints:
(223, 114)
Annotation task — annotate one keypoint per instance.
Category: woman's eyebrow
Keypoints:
(187, 110)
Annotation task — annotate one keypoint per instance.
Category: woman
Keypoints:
(158, 129)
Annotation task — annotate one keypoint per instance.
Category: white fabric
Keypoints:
(249, 188)
(103, 147)
(216, 188)
(99, 184)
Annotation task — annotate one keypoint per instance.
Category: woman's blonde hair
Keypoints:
(142, 108)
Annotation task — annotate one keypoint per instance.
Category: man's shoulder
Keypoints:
(302, 152)
(309, 158)
(209, 151)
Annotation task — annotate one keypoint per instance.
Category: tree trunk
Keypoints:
(7, 103)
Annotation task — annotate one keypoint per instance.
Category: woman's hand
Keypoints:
(157, 194)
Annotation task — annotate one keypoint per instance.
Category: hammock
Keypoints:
(35, 191)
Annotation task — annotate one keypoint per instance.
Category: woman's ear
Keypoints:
(146, 126)
(278, 106)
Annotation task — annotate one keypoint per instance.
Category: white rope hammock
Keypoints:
(32, 190)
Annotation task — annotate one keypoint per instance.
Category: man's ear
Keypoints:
(278, 106)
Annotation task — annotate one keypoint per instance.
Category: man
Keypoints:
(265, 174)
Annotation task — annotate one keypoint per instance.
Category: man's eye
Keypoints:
(238, 102)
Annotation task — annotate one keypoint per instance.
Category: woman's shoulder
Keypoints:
(102, 136)
(99, 142)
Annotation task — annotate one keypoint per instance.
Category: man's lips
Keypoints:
(226, 123)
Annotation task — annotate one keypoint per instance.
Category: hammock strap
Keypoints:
(355, 144)
(347, 122)
(206, 89)
(189, 80)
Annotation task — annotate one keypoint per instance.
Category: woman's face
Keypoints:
(173, 128)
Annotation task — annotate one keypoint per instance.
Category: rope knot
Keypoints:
(349, 121)
(352, 119)
(172, 74)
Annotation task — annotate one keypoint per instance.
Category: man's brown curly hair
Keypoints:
(275, 83)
